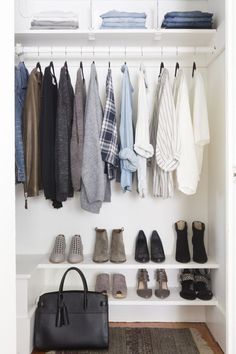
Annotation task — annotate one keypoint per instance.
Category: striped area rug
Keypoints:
(150, 341)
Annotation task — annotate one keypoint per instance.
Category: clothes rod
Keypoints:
(109, 52)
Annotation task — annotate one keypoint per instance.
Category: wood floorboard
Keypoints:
(201, 327)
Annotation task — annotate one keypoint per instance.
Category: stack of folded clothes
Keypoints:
(188, 19)
(55, 20)
(120, 19)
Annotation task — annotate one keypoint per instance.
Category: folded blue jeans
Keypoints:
(21, 81)
(194, 25)
(187, 19)
(188, 14)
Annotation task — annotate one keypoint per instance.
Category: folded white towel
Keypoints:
(55, 14)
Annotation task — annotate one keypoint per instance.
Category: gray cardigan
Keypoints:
(77, 138)
(94, 188)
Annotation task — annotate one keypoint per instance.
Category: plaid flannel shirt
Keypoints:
(108, 136)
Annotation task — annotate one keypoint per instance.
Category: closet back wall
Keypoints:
(37, 227)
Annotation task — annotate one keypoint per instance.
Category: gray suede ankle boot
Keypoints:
(100, 253)
(117, 254)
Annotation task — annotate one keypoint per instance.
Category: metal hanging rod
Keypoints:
(113, 52)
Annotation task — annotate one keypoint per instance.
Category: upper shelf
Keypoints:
(156, 37)
(27, 264)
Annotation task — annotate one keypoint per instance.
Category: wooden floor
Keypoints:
(201, 327)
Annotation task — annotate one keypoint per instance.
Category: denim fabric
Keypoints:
(21, 80)
(123, 20)
(118, 14)
(188, 14)
(122, 25)
(128, 159)
(187, 19)
(191, 25)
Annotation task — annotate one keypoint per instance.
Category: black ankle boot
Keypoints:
(199, 251)
(182, 254)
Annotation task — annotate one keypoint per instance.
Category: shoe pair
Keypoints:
(58, 254)
(141, 248)
(195, 284)
(161, 291)
(118, 287)
(117, 252)
(182, 249)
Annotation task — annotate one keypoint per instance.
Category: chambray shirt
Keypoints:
(21, 81)
(128, 159)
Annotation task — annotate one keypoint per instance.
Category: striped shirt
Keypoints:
(164, 137)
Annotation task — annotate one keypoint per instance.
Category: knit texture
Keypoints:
(95, 188)
(63, 136)
(77, 139)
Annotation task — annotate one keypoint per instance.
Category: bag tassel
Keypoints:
(62, 318)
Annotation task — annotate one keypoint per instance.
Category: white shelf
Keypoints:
(174, 299)
(88, 263)
(112, 37)
(132, 299)
(26, 264)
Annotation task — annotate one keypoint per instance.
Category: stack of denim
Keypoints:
(188, 19)
(118, 20)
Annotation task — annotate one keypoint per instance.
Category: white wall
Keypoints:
(217, 194)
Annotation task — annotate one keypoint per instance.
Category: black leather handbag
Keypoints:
(71, 320)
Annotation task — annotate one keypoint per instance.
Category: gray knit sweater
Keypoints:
(63, 135)
(94, 188)
(77, 138)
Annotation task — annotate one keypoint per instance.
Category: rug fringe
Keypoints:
(201, 344)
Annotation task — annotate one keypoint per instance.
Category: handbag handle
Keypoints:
(62, 318)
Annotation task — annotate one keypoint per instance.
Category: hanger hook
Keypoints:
(142, 51)
(93, 53)
(109, 52)
(177, 51)
(66, 52)
(38, 52)
(51, 52)
(161, 52)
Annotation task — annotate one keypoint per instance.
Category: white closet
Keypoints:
(37, 227)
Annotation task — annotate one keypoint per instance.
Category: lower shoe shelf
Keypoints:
(173, 299)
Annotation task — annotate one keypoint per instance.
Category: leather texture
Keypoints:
(157, 250)
(71, 320)
(141, 248)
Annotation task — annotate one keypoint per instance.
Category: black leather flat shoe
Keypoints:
(157, 251)
(141, 248)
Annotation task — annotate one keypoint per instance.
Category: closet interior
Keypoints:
(39, 224)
